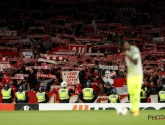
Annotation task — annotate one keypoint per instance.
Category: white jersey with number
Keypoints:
(134, 69)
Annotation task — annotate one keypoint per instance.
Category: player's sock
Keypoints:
(132, 102)
(136, 103)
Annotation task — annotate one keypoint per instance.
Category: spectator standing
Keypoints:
(45, 82)
(155, 78)
(12, 86)
(1, 86)
(96, 84)
(96, 73)
(121, 75)
(153, 90)
(82, 76)
(159, 85)
(108, 89)
(32, 79)
(5, 79)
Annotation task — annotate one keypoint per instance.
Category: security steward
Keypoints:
(113, 98)
(88, 95)
(144, 94)
(64, 93)
(7, 94)
(21, 95)
(42, 96)
(161, 95)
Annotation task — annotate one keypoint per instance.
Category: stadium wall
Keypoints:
(97, 106)
(77, 106)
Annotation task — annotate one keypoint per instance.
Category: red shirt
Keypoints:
(78, 89)
(96, 75)
(13, 88)
(5, 80)
(95, 86)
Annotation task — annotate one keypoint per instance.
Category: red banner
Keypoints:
(46, 76)
(78, 48)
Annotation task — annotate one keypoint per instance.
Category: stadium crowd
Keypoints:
(36, 39)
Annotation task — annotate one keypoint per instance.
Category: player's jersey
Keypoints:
(132, 69)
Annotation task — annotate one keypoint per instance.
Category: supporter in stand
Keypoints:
(88, 95)
(7, 94)
(82, 76)
(146, 83)
(42, 97)
(153, 90)
(32, 79)
(159, 85)
(96, 73)
(96, 64)
(108, 89)
(45, 82)
(24, 83)
(12, 86)
(1, 86)
(21, 95)
(5, 79)
(102, 90)
(125, 74)
(78, 89)
(95, 84)
(57, 82)
(121, 75)
(64, 93)
(155, 78)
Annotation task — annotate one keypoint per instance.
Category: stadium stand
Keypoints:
(54, 40)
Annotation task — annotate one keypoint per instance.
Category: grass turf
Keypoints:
(77, 118)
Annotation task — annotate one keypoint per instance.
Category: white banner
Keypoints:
(28, 54)
(70, 77)
(4, 66)
(78, 48)
(8, 33)
(158, 39)
(22, 75)
(65, 53)
(50, 61)
(94, 54)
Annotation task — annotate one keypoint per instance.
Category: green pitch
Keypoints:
(77, 118)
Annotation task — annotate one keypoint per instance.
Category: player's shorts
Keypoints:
(134, 84)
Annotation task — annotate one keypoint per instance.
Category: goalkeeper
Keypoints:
(134, 74)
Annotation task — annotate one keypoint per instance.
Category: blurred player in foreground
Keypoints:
(134, 74)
